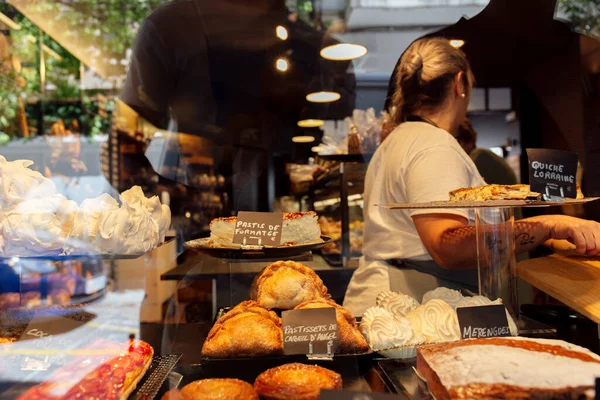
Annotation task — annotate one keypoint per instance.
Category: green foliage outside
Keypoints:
(112, 24)
(584, 15)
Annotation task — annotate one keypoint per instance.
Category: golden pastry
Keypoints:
(351, 340)
(213, 389)
(285, 284)
(248, 330)
(296, 382)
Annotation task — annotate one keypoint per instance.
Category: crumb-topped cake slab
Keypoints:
(507, 368)
(298, 228)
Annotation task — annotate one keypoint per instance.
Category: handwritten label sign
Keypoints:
(552, 173)
(256, 228)
(597, 394)
(349, 395)
(310, 331)
(483, 321)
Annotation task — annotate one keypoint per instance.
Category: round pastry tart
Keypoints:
(213, 389)
(296, 381)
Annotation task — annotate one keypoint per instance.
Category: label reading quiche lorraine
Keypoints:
(311, 331)
(483, 321)
(552, 173)
(258, 228)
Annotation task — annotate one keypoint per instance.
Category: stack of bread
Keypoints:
(253, 328)
(37, 221)
(398, 324)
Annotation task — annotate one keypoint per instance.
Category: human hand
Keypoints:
(584, 234)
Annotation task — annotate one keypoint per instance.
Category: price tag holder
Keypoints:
(483, 321)
(552, 173)
(313, 332)
(349, 395)
(258, 229)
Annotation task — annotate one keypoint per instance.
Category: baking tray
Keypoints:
(80, 257)
(353, 374)
(202, 246)
(485, 204)
(402, 378)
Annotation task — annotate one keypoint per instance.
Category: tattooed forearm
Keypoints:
(524, 238)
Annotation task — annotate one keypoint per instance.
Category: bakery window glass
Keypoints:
(138, 137)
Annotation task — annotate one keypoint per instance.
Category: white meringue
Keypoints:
(398, 304)
(384, 295)
(82, 238)
(37, 227)
(19, 183)
(135, 228)
(450, 296)
(386, 331)
(477, 301)
(436, 320)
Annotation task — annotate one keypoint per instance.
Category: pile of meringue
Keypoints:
(35, 220)
(398, 324)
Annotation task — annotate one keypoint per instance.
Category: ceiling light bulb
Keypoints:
(281, 64)
(311, 123)
(303, 139)
(323, 97)
(457, 43)
(343, 52)
(315, 149)
(281, 32)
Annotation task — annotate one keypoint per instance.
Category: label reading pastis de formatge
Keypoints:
(483, 321)
(259, 229)
(310, 331)
(552, 173)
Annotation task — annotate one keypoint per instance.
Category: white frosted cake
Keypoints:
(508, 368)
(298, 228)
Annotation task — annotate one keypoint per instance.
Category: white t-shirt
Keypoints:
(416, 163)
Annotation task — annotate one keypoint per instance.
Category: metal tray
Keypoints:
(402, 377)
(353, 373)
(486, 204)
(202, 246)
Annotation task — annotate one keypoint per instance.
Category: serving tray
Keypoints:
(485, 204)
(203, 246)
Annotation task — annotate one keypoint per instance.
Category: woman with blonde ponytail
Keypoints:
(414, 251)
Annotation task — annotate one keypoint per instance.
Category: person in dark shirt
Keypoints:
(491, 167)
(208, 68)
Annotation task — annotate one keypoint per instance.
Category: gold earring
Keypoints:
(463, 95)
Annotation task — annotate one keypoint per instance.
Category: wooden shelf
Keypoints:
(574, 281)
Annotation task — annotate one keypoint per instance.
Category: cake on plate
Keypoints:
(508, 368)
(298, 228)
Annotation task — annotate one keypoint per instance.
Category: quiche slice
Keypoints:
(499, 192)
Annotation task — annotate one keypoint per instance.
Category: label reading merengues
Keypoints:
(310, 331)
(256, 228)
(552, 172)
(483, 321)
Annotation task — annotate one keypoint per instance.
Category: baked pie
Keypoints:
(248, 330)
(296, 382)
(286, 284)
(351, 340)
(213, 389)
(498, 192)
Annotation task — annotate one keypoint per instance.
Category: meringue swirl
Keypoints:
(399, 304)
(436, 320)
(37, 227)
(450, 296)
(384, 331)
(19, 183)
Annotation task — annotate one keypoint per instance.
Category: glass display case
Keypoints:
(182, 198)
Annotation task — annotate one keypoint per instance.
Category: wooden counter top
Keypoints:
(575, 281)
